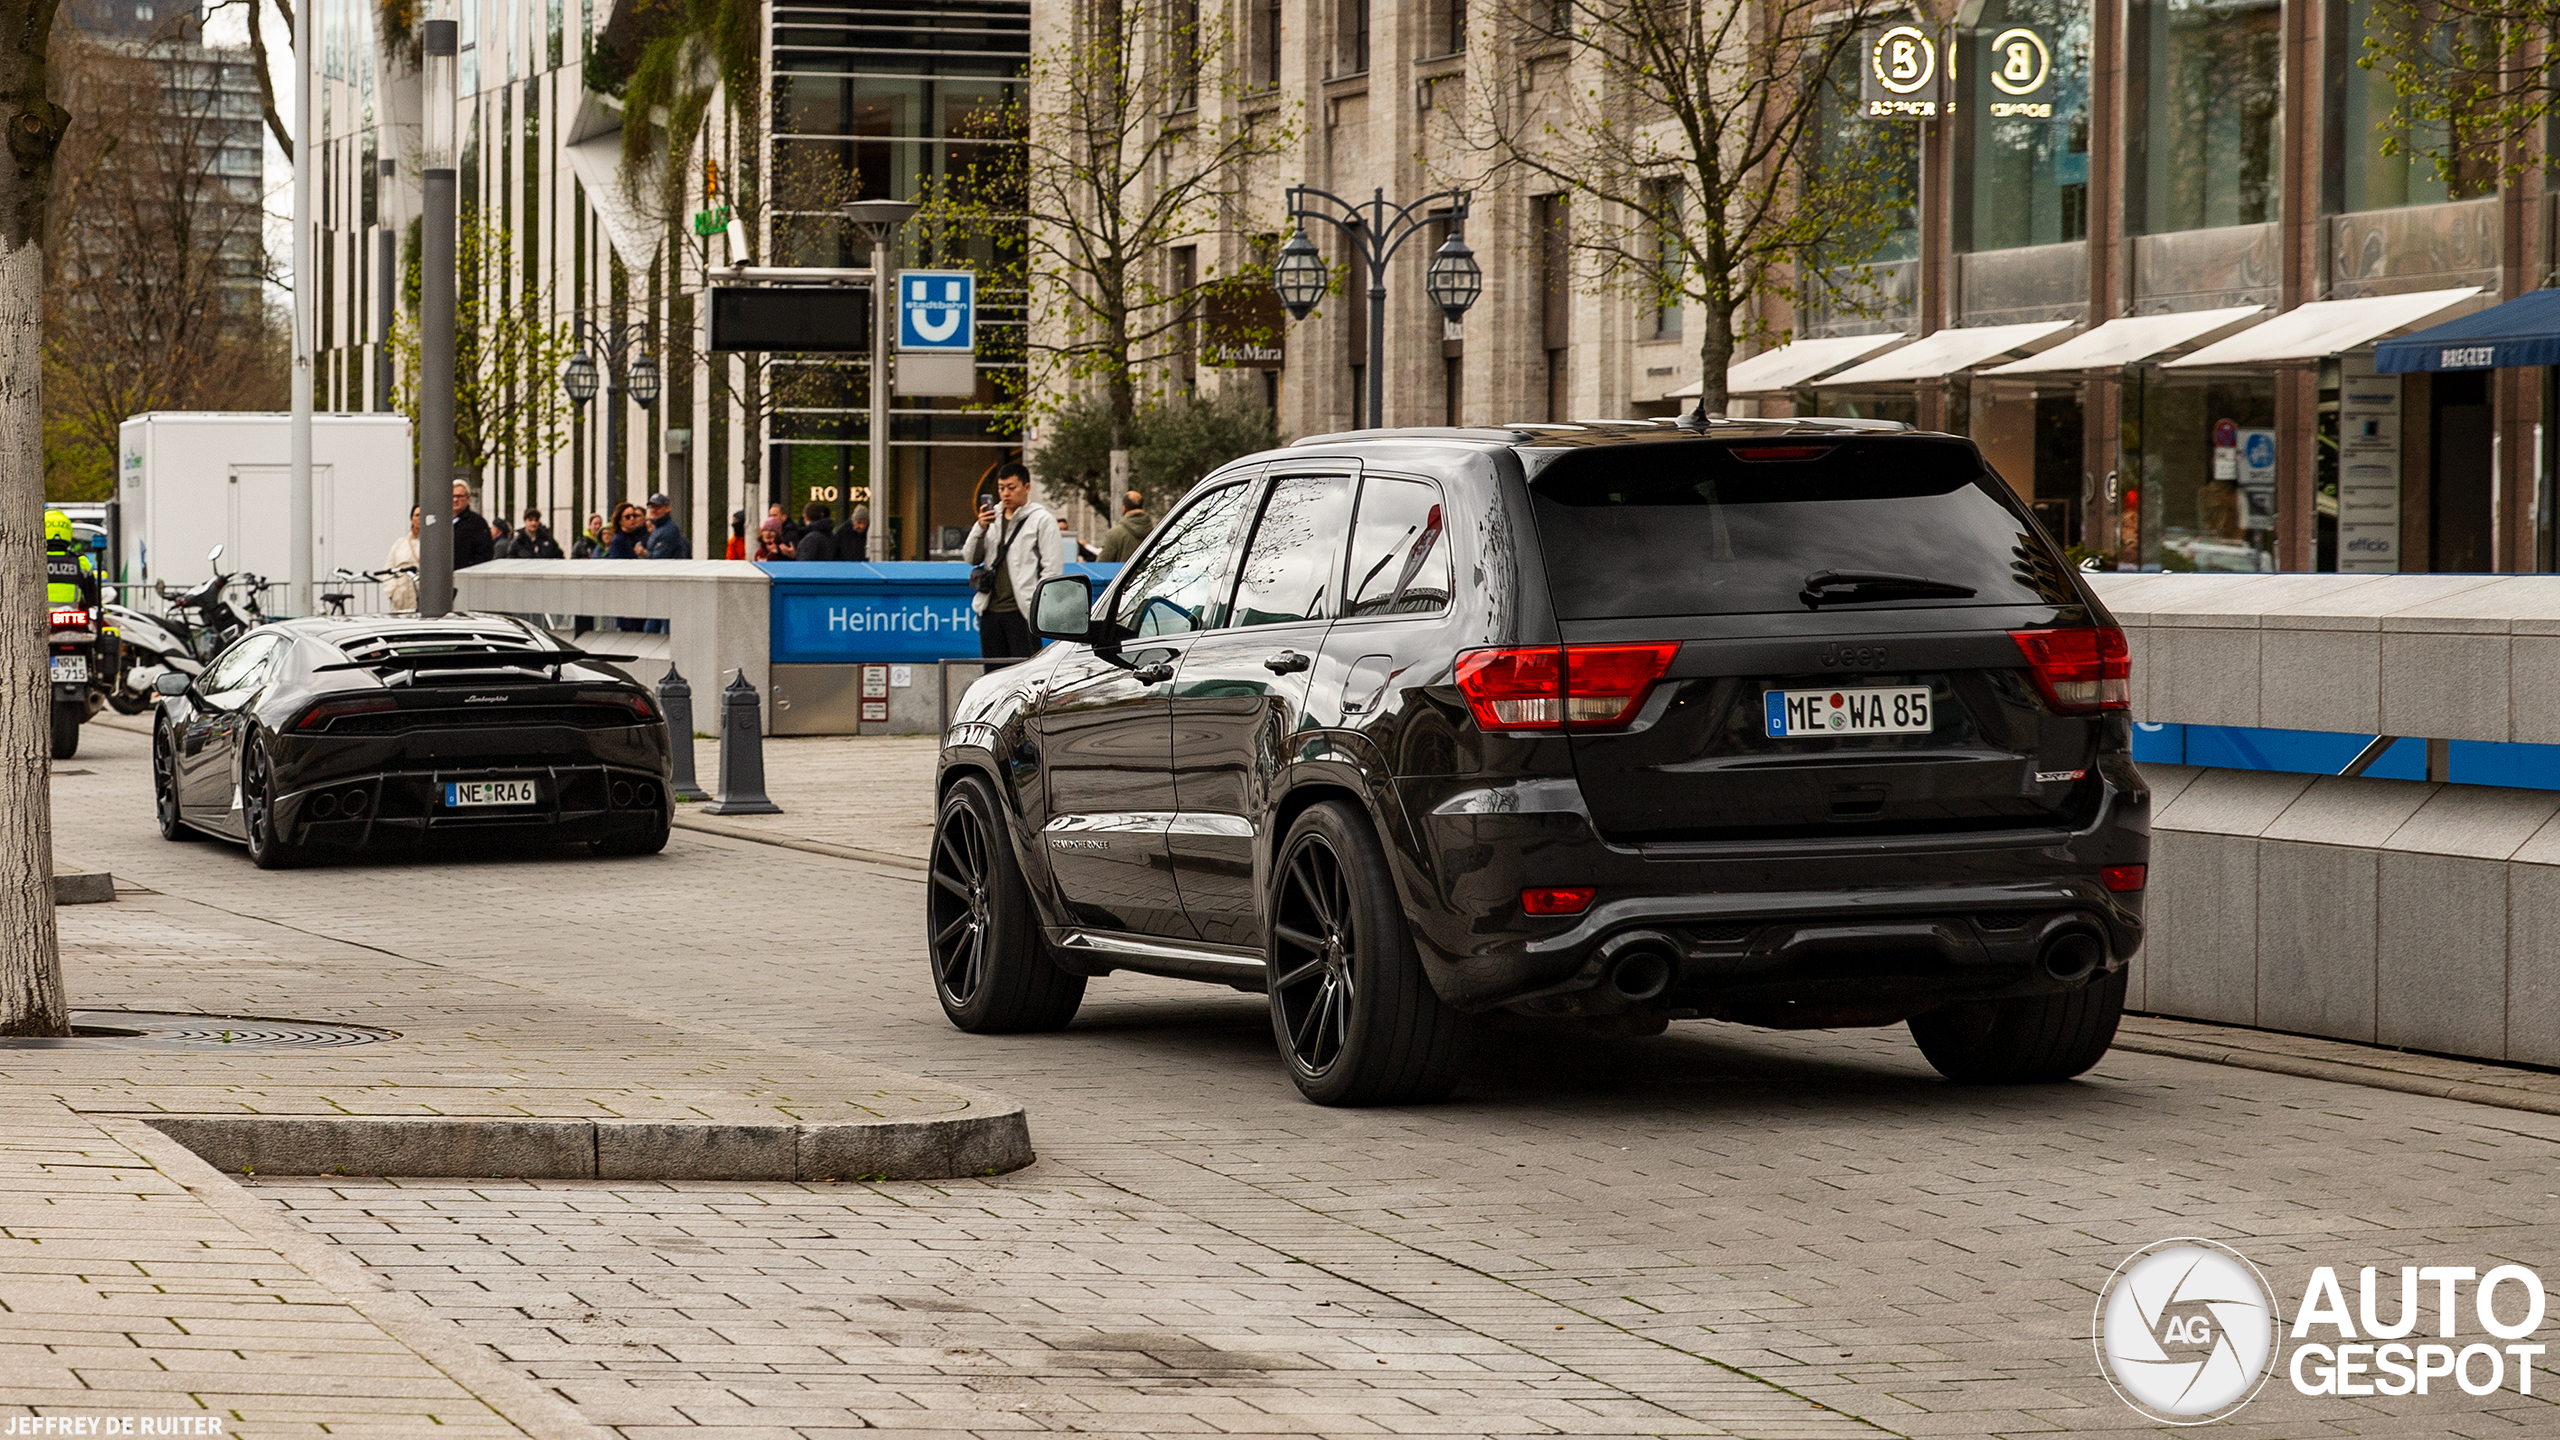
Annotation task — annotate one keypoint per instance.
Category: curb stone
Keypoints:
(941, 1149)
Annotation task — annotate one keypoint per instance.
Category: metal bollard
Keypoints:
(675, 699)
(741, 755)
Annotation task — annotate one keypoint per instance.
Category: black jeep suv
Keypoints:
(1793, 723)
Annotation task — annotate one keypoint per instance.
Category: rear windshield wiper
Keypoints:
(1861, 587)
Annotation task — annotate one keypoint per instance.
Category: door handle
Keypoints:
(1287, 662)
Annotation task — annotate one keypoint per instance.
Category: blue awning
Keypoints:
(2524, 331)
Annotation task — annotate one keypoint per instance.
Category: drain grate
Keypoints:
(142, 1029)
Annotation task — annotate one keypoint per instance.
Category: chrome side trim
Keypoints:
(1178, 959)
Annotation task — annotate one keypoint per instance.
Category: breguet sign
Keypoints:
(2017, 66)
(1902, 79)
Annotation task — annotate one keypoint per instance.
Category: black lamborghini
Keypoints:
(326, 736)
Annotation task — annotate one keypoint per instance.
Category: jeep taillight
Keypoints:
(1555, 687)
(2079, 672)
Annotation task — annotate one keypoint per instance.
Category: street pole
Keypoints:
(387, 286)
(436, 321)
(613, 406)
(884, 321)
(306, 281)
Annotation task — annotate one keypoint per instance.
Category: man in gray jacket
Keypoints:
(1015, 545)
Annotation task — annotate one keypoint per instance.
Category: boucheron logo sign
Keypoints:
(2187, 1332)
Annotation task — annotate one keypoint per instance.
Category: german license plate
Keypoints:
(1871, 710)
(464, 794)
(71, 669)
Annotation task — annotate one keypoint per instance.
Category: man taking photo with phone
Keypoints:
(1013, 547)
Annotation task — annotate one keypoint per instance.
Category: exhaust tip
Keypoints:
(354, 803)
(323, 806)
(1640, 967)
(2073, 956)
(622, 792)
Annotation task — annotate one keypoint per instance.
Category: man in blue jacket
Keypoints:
(666, 542)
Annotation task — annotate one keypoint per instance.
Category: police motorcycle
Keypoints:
(74, 627)
(185, 637)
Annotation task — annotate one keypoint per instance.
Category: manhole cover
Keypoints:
(126, 1029)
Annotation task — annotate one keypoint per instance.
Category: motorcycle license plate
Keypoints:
(1898, 710)
(467, 794)
(71, 669)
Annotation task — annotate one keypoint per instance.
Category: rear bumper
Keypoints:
(1796, 933)
(403, 808)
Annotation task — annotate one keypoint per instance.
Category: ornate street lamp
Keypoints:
(624, 373)
(1453, 282)
(1299, 275)
(1378, 230)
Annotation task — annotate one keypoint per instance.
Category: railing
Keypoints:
(364, 596)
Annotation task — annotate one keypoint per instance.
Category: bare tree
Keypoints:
(508, 406)
(394, 12)
(153, 299)
(1706, 144)
(31, 995)
(1137, 136)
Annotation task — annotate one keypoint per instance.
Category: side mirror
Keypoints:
(1065, 608)
(214, 557)
(173, 682)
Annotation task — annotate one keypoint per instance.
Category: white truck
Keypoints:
(192, 480)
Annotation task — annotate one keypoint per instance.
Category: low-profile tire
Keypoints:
(991, 966)
(164, 786)
(67, 715)
(2031, 1041)
(267, 847)
(1355, 1016)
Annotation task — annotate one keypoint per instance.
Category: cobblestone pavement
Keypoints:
(1718, 1230)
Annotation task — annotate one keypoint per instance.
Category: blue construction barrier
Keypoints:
(898, 612)
(2324, 752)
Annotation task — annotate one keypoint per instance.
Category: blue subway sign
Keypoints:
(903, 612)
(938, 310)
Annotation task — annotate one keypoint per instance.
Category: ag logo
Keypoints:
(2020, 61)
(1905, 59)
(2185, 1331)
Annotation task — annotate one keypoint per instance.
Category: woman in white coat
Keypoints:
(1014, 547)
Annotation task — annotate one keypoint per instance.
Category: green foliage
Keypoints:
(684, 56)
(2463, 83)
(1190, 437)
(1172, 445)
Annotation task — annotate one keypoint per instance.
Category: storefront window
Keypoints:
(2375, 181)
(2026, 98)
(2210, 86)
(2205, 454)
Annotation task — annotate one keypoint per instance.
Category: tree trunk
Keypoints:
(1715, 359)
(31, 998)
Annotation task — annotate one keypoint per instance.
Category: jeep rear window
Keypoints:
(1734, 528)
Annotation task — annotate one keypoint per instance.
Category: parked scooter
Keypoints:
(185, 637)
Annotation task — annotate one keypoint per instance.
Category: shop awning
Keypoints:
(2324, 328)
(1789, 366)
(2524, 331)
(1947, 352)
(2128, 340)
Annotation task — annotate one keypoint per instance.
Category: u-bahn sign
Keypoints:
(1901, 79)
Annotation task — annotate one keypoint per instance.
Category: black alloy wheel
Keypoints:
(164, 785)
(1354, 1014)
(267, 849)
(991, 966)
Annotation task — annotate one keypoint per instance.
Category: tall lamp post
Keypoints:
(624, 374)
(1377, 229)
(878, 221)
(436, 157)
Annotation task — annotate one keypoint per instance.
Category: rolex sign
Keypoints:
(1901, 79)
